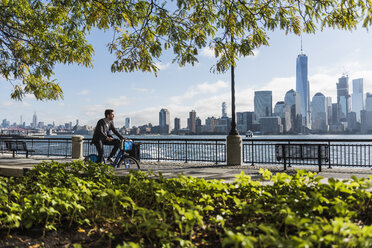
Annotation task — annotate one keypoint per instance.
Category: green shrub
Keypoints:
(143, 209)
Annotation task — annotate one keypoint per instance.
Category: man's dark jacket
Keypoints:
(102, 131)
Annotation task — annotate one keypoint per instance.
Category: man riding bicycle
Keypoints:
(102, 136)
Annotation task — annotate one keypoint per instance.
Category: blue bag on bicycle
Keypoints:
(128, 145)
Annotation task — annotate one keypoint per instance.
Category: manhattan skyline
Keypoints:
(140, 95)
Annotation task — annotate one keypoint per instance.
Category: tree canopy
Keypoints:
(35, 35)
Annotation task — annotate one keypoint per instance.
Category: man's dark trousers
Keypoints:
(99, 145)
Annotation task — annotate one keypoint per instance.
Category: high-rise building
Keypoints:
(368, 101)
(329, 109)
(191, 122)
(263, 104)
(244, 121)
(319, 118)
(224, 113)
(357, 98)
(292, 99)
(34, 120)
(282, 110)
(271, 125)
(335, 114)
(302, 86)
(198, 125)
(209, 125)
(164, 121)
(177, 124)
(343, 97)
(127, 122)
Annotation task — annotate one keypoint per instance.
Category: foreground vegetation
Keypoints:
(79, 205)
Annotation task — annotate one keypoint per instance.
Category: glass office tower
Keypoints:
(357, 98)
(263, 104)
(302, 87)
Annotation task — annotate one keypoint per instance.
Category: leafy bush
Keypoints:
(147, 210)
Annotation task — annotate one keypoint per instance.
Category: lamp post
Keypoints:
(233, 140)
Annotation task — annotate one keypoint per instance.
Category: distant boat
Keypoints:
(50, 132)
(39, 134)
(249, 133)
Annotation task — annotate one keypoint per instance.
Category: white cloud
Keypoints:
(204, 88)
(207, 52)
(83, 92)
(144, 90)
(255, 52)
(93, 111)
(5, 103)
(116, 102)
(162, 66)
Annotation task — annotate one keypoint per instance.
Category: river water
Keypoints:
(310, 136)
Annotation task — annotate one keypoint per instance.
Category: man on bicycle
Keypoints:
(102, 136)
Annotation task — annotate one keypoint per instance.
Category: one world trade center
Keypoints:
(302, 87)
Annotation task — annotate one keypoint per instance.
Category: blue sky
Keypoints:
(140, 96)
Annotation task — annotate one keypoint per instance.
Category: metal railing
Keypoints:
(59, 147)
(342, 152)
(187, 150)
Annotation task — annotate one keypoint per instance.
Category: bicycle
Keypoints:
(121, 158)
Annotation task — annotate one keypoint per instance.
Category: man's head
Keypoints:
(109, 114)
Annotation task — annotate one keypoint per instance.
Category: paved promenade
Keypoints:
(17, 166)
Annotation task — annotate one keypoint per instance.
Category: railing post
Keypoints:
(158, 150)
(186, 152)
(48, 147)
(284, 157)
(216, 151)
(77, 147)
(252, 154)
(329, 155)
(289, 154)
(66, 150)
(320, 157)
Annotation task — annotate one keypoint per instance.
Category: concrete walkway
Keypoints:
(19, 165)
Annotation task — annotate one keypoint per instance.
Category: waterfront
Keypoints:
(342, 151)
(171, 136)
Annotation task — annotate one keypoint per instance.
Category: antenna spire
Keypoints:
(301, 45)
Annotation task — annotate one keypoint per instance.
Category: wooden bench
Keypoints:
(16, 146)
(289, 152)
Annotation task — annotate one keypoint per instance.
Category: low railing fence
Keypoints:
(58, 147)
(342, 152)
(186, 150)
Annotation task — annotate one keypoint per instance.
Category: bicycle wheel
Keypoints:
(91, 157)
(130, 163)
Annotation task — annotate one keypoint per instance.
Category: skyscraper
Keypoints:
(127, 122)
(369, 101)
(34, 120)
(164, 120)
(302, 86)
(319, 118)
(329, 109)
(191, 121)
(263, 104)
(177, 124)
(293, 100)
(244, 121)
(224, 114)
(343, 97)
(282, 110)
(357, 98)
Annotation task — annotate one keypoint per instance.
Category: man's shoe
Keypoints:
(110, 160)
